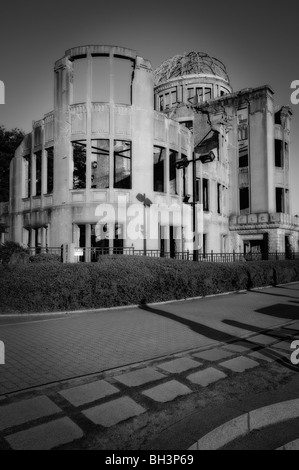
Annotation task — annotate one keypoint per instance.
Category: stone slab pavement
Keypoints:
(42, 350)
(153, 357)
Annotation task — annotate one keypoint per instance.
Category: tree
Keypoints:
(9, 141)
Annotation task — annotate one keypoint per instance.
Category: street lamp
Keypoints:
(146, 203)
(206, 157)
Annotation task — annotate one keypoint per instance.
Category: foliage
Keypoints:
(125, 280)
(7, 249)
(45, 258)
(9, 141)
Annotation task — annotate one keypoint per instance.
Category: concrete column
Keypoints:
(62, 129)
(179, 93)
(111, 117)
(44, 164)
(43, 237)
(32, 238)
(88, 126)
(75, 235)
(33, 168)
(87, 242)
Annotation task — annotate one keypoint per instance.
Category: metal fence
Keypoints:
(87, 254)
(44, 250)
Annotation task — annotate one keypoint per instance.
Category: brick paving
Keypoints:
(54, 419)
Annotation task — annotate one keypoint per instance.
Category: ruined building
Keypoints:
(117, 133)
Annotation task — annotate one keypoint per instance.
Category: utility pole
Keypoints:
(183, 163)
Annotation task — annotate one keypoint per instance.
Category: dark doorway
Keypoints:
(118, 242)
(162, 242)
(171, 242)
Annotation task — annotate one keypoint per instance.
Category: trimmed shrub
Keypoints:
(7, 249)
(45, 258)
(124, 280)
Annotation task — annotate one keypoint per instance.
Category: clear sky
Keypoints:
(256, 40)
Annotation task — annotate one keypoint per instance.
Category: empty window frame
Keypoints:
(205, 194)
(287, 201)
(27, 175)
(118, 241)
(122, 153)
(188, 124)
(159, 168)
(100, 163)
(38, 173)
(79, 164)
(173, 156)
(122, 80)
(199, 94)
(161, 103)
(173, 97)
(80, 80)
(100, 78)
(184, 177)
(167, 100)
(244, 199)
(190, 94)
(280, 200)
(278, 153)
(197, 190)
(243, 133)
(277, 118)
(208, 94)
(219, 198)
(100, 237)
(204, 244)
(243, 157)
(50, 169)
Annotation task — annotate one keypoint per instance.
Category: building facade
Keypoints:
(101, 170)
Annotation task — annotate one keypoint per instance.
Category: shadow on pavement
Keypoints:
(290, 312)
(203, 330)
(221, 336)
(253, 291)
(244, 326)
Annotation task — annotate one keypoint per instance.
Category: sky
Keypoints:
(256, 40)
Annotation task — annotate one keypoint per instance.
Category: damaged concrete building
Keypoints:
(120, 130)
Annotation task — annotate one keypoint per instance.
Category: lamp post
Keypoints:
(146, 203)
(183, 163)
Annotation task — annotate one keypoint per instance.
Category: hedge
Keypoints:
(124, 280)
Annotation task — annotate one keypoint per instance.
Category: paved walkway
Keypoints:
(152, 355)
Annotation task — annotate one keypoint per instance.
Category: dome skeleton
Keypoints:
(188, 64)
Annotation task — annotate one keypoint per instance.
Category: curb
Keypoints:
(246, 423)
(294, 445)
